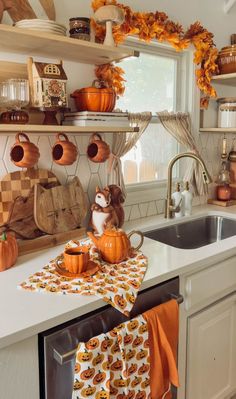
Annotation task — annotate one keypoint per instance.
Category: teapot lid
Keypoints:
(114, 232)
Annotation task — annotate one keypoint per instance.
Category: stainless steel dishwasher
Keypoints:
(57, 346)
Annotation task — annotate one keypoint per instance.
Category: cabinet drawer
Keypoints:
(210, 284)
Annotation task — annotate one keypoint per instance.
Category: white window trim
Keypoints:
(186, 101)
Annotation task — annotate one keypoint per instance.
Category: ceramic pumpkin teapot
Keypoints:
(114, 245)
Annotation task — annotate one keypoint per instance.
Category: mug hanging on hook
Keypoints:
(64, 152)
(98, 150)
(24, 154)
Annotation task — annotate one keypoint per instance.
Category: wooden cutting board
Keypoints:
(21, 9)
(19, 184)
(59, 209)
(49, 8)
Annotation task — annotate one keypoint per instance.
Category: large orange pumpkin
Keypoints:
(96, 98)
(8, 251)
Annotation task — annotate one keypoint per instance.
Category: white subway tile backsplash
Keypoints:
(143, 209)
(152, 210)
(135, 212)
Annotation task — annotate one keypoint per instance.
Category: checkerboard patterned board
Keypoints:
(19, 183)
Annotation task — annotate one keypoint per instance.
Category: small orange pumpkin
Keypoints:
(120, 301)
(132, 369)
(137, 341)
(8, 251)
(143, 369)
(141, 395)
(87, 374)
(99, 377)
(103, 394)
(97, 98)
(98, 359)
(84, 356)
(142, 354)
(78, 385)
(117, 365)
(132, 325)
(93, 343)
(88, 391)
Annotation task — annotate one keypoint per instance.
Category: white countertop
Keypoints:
(23, 313)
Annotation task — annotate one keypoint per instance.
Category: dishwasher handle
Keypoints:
(63, 358)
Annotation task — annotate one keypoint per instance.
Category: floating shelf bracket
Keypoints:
(228, 4)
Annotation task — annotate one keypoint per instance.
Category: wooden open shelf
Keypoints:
(226, 79)
(45, 129)
(218, 129)
(29, 42)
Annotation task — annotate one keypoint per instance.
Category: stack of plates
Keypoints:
(42, 25)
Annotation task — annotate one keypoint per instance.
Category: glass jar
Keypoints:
(80, 28)
(223, 192)
(227, 112)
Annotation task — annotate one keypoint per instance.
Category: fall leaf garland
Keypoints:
(148, 26)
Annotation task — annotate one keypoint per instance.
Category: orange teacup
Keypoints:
(76, 259)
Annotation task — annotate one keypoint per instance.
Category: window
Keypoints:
(152, 85)
(51, 69)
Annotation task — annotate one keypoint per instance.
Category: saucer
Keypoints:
(92, 269)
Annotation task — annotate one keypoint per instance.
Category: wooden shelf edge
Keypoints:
(46, 129)
(225, 76)
(26, 41)
(217, 130)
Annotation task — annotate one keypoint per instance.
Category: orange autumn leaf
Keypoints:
(156, 26)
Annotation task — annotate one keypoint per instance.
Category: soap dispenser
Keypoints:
(178, 200)
(188, 200)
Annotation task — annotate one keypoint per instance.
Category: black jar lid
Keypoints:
(80, 19)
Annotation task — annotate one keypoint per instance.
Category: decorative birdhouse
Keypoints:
(47, 84)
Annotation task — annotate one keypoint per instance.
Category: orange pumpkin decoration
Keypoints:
(137, 341)
(114, 245)
(130, 354)
(132, 325)
(113, 390)
(87, 374)
(117, 365)
(78, 385)
(136, 381)
(24, 154)
(103, 394)
(120, 301)
(106, 343)
(88, 391)
(132, 369)
(141, 395)
(130, 395)
(142, 354)
(128, 338)
(64, 152)
(8, 251)
(97, 98)
(84, 356)
(93, 343)
(98, 150)
(99, 377)
(143, 369)
(98, 359)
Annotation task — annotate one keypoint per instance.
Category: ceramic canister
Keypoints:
(227, 112)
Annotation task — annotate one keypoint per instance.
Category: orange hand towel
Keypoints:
(163, 329)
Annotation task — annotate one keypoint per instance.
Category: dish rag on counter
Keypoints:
(115, 364)
(163, 330)
(116, 284)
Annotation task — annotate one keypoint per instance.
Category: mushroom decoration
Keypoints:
(109, 15)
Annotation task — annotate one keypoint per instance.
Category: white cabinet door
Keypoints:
(211, 351)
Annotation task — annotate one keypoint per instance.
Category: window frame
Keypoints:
(184, 102)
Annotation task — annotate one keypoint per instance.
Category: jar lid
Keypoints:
(226, 100)
(229, 48)
(80, 19)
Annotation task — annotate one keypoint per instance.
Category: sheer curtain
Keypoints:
(179, 126)
(122, 143)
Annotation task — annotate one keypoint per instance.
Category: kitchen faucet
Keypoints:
(170, 209)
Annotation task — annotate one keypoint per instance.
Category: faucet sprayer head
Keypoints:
(206, 177)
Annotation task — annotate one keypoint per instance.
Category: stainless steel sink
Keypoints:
(195, 233)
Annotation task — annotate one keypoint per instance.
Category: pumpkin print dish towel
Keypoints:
(117, 284)
(115, 364)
